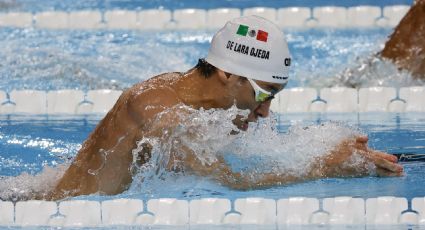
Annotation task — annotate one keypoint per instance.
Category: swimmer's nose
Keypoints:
(263, 109)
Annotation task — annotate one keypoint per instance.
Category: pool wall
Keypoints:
(153, 19)
(335, 211)
(292, 100)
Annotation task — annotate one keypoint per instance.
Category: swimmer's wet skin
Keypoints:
(406, 46)
(247, 64)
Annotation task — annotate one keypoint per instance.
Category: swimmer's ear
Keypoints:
(223, 76)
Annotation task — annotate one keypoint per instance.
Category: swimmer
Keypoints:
(246, 66)
(406, 46)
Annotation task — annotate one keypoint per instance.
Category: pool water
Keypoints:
(50, 60)
(27, 144)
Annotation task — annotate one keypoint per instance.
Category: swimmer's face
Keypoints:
(246, 99)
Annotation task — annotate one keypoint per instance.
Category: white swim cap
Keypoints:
(252, 47)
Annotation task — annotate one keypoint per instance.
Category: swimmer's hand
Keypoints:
(352, 158)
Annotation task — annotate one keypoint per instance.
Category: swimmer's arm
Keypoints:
(222, 172)
(353, 158)
(334, 164)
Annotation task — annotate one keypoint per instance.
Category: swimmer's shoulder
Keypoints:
(159, 82)
(153, 95)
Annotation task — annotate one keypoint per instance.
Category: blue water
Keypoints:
(49, 60)
(27, 144)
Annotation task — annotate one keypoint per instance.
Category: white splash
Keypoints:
(369, 71)
(206, 133)
(295, 151)
(27, 186)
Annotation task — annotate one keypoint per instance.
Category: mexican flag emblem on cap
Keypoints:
(260, 35)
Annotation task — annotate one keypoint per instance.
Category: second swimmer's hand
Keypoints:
(352, 157)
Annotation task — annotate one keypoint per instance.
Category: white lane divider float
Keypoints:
(160, 19)
(285, 212)
(292, 100)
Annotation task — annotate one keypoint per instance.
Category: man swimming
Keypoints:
(246, 66)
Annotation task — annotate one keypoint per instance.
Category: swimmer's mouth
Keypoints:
(241, 122)
(244, 126)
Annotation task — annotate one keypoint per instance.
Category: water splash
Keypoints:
(369, 72)
(27, 186)
(261, 149)
(295, 151)
(203, 132)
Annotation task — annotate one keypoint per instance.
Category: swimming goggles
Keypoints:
(261, 95)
